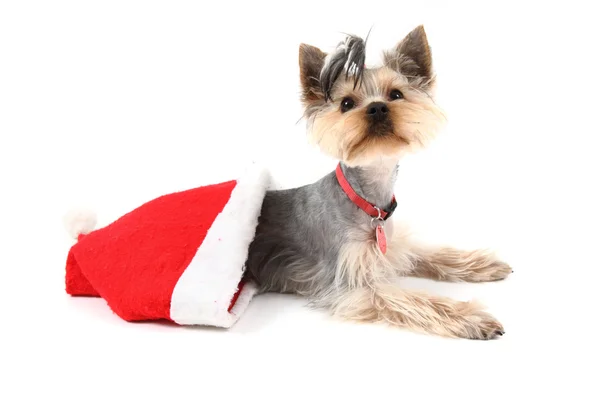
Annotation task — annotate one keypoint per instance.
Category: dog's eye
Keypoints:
(396, 95)
(347, 104)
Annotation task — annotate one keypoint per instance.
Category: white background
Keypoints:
(109, 104)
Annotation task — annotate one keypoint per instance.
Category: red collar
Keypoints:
(371, 209)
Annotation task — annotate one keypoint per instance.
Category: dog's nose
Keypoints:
(377, 110)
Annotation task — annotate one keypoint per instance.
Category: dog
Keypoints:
(333, 241)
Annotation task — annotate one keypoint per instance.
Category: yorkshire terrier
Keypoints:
(333, 240)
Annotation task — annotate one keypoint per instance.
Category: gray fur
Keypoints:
(301, 231)
(314, 241)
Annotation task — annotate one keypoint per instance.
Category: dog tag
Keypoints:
(381, 239)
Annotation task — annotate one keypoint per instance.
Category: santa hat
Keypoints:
(179, 257)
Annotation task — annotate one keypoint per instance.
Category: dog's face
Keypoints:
(359, 115)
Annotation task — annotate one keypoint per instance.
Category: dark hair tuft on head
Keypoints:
(349, 58)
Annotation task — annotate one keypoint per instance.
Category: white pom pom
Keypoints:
(79, 221)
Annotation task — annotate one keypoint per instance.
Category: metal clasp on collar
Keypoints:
(377, 218)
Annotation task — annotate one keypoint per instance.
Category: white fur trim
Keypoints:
(205, 289)
(79, 221)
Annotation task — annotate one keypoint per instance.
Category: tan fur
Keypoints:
(359, 264)
(362, 264)
(373, 297)
(310, 62)
(417, 311)
(416, 119)
(364, 289)
(412, 58)
(447, 264)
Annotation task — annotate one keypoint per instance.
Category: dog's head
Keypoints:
(358, 114)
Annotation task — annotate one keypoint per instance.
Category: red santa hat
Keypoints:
(179, 257)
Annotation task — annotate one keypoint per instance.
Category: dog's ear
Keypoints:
(311, 61)
(412, 57)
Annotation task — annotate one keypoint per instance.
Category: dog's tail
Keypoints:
(79, 222)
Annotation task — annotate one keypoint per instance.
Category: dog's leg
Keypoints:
(409, 256)
(417, 311)
(448, 264)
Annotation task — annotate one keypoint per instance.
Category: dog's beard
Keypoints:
(351, 137)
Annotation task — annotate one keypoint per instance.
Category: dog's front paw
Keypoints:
(472, 322)
(479, 266)
(493, 270)
(454, 265)
(484, 326)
